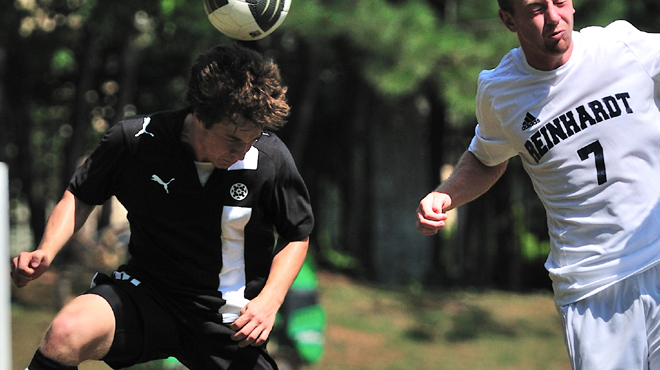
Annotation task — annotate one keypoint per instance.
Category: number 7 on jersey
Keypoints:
(599, 157)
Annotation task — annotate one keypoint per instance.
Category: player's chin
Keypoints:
(223, 165)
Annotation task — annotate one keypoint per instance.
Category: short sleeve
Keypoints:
(94, 181)
(489, 144)
(645, 46)
(289, 206)
(295, 219)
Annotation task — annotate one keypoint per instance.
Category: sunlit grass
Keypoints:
(377, 328)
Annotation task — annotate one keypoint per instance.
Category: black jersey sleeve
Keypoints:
(291, 207)
(94, 181)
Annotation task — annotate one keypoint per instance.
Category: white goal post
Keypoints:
(5, 293)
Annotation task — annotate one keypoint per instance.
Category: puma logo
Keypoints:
(145, 123)
(165, 184)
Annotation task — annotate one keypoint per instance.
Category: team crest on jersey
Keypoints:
(238, 191)
(529, 121)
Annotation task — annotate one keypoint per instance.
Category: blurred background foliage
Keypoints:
(383, 103)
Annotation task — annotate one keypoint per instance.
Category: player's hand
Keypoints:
(28, 266)
(430, 213)
(256, 322)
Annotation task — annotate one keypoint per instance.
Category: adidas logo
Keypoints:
(529, 121)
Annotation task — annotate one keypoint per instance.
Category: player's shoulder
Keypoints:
(508, 72)
(614, 31)
(269, 142)
(136, 129)
(508, 68)
(163, 122)
(272, 147)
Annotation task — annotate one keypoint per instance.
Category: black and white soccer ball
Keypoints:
(247, 19)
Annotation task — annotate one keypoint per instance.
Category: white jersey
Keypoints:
(588, 134)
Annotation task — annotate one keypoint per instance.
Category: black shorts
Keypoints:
(147, 329)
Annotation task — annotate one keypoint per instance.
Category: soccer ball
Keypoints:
(247, 19)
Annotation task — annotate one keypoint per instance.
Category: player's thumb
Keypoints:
(38, 264)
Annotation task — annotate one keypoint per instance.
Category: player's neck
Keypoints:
(546, 59)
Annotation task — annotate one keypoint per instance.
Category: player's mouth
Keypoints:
(556, 35)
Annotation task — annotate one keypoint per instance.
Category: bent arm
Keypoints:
(68, 216)
(258, 316)
(470, 179)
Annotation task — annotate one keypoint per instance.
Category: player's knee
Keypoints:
(83, 330)
(63, 326)
(61, 342)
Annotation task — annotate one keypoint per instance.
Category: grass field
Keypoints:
(371, 328)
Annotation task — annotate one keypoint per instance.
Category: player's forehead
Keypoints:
(524, 3)
(517, 4)
(239, 127)
(241, 123)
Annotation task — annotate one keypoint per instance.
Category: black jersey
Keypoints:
(176, 222)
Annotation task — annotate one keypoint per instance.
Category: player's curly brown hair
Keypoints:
(230, 80)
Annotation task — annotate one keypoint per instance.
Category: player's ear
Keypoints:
(507, 19)
(198, 121)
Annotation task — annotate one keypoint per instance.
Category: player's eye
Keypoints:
(536, 9)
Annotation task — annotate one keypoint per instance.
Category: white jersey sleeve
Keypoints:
(644, 46)
(588, 134)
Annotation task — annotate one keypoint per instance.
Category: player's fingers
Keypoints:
(427, 215)
(430, 214)
(243, 328)
(27, 267)
(427, 229)
(254, 333)
(262, 338)
(21, 264)
(19, 276)
(37, 265)
(247, 335)
(430, 208)
(35, 261)
(257, 337)
(428, 226)
(246, 342)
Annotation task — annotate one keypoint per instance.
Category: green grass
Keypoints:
(373, 328)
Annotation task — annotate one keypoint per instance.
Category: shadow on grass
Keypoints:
(465, 324)
(472, 322)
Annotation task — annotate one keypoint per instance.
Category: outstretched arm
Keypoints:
(258, 317)
(67, 218)
(470, 179)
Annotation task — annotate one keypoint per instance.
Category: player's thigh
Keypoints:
(214, 349)
(144, 331)
(651, 294)
(86, 325)
(607, 331)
